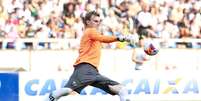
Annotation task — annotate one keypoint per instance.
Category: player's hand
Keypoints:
(121, 38)
(128, 38)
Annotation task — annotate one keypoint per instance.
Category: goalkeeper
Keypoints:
(86, 66)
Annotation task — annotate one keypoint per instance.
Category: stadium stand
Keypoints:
(57, 24)
(62, 19)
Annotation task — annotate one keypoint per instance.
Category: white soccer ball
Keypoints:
(151, 48)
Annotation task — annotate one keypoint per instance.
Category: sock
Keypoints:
(123, 94)
(61, 92)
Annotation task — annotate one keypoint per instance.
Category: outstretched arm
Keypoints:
(103, 38)
(94, 35)
(108, 39)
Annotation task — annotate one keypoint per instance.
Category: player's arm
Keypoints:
(107, 39)
(102, 38)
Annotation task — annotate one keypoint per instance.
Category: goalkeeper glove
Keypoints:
(128, 38)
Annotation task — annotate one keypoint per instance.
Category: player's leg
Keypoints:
(73, 86)
(63, 91)
(59, 93)
(111, 87)
(55, 95)
(83, 75)
(121, 91)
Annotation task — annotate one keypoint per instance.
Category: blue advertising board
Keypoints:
(9, 87)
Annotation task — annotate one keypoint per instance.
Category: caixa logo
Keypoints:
(50, 85)
(142, 86)
(158, 86)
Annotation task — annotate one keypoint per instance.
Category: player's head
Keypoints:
(92, 19)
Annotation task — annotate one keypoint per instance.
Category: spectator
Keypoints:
(145, 20)
(139, 57)
(161, 18)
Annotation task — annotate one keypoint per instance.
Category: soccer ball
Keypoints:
(151, 48)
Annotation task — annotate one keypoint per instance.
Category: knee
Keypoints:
(119, 89)
(123, 91)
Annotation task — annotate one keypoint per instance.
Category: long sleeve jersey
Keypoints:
(90, 46)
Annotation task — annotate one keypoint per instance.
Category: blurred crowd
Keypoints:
(62, 19)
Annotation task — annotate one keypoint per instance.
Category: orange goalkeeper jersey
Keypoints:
(90, 46)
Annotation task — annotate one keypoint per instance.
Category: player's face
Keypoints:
(95, 21)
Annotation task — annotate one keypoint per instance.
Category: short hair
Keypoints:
(89, 15)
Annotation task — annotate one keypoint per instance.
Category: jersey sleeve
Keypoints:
(94, 35)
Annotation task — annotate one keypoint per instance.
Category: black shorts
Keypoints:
(86, 74)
